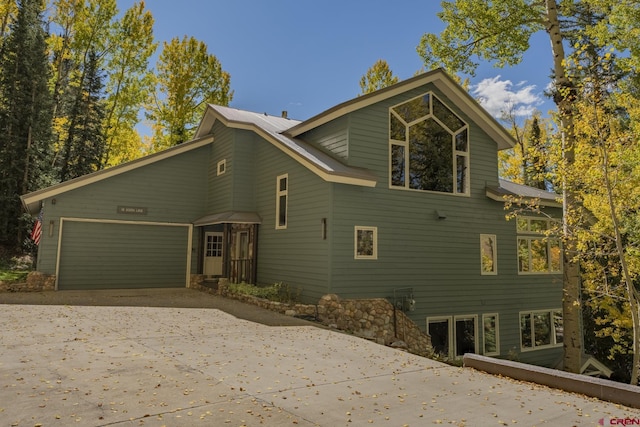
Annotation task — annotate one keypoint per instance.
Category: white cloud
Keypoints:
(498, 96)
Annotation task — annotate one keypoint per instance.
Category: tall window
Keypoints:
(465, 335)
(540, 329)
(428, 147)
(282, 196)
(488, 255)
(440, 330)
(538, 251)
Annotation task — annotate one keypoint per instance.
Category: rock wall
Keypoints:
(375, 319)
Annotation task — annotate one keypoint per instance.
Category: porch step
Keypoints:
(211, 282)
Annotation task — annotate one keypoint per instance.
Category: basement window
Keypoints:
(541, 329)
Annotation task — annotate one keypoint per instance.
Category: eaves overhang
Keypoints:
(228, 217)
(31, 201)
(507, 190)
(440, 79)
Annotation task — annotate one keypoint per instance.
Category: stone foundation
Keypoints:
(36, 281)
(196, 281)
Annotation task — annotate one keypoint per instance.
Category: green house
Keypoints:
(394, 194)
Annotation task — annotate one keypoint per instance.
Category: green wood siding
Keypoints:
(438, 258)
(332, 138)
(220, 188)
(296, 255)
(235, 189)
(244, 167)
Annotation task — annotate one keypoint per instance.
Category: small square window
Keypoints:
(366, 242)
(222, 167)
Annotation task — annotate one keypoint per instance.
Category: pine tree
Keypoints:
(25, 118)
(84, 145)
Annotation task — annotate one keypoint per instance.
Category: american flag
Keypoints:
(36, 233)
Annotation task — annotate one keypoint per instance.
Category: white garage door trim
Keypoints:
(114, 221)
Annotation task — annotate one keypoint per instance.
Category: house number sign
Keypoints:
(132, 210)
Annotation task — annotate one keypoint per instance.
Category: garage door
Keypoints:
(99, 255)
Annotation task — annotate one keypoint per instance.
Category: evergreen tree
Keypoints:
(25, 118)
(84, 145)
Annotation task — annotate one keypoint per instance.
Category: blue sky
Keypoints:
(306, 56)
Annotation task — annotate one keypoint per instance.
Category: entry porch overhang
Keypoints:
(228, 217)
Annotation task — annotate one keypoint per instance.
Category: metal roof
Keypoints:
(272, 127)
(508, 188)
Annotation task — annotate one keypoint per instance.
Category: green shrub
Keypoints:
(12, 275)
(14, 269)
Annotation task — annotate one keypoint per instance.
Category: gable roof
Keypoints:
(272, 128)
(283, 132)
(31, 201)
(440, 79)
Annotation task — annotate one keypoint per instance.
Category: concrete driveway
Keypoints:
(63, 365)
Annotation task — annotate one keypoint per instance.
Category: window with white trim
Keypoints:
(366, 242)
(490, 335)
(452, 337)
(539, 252)
(488, 254)
(428, 147)
(541, 329)
(439, 328)
(282, 200)
(466, 335)
(221, 167)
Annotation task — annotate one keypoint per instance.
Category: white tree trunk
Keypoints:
(571, 306)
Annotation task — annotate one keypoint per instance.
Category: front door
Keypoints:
(213, 253)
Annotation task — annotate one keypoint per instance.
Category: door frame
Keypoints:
(221, 256)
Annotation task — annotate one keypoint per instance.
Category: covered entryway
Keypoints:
(229, 246)
(97, 254)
